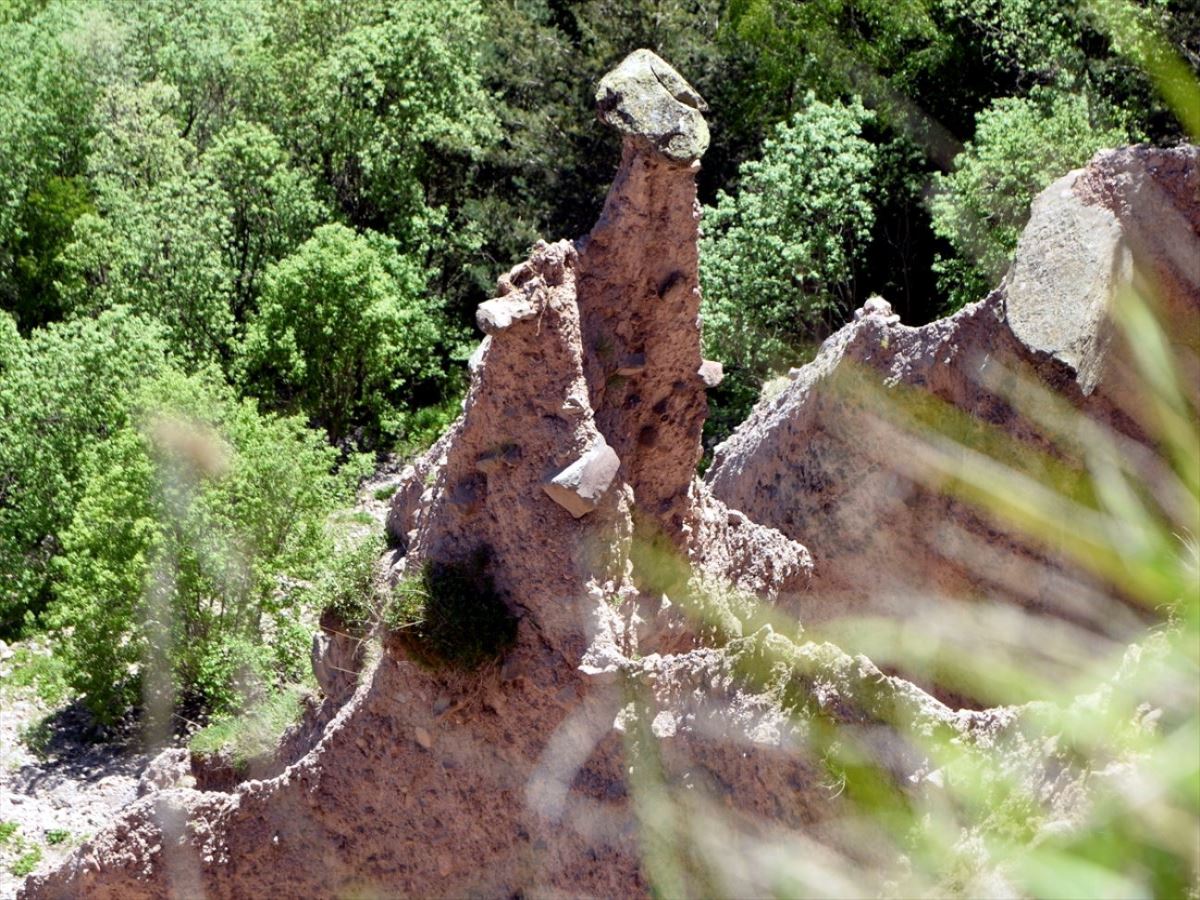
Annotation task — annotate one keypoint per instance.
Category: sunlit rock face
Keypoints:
(580, 433)
(827, 462)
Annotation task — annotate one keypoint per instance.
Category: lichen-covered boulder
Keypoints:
(645, 98)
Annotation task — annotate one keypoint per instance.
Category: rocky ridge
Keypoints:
(824, 462)
(577, 446)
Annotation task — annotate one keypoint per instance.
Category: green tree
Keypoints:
(391, 90)
(156, 241)
(62, 391)
(44, 229)
(213, 52)
(1021, 144)
(777, 258)
(879, 49)
(343, 329)
(272, 207)
(175, 568)
(10, 342)
(51, 66)
(1065, 45)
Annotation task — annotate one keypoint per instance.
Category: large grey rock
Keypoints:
(1071, 262)
(1127, 225)
(581, 486)
(879, 308)
(645, 98)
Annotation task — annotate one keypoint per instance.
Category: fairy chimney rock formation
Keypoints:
(577, 444)
(582, 425)
(639, 288)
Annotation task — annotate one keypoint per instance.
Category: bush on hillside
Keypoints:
(175, 571)
(450, 615)
(1021, 144)
(62, 391)
(777, 258)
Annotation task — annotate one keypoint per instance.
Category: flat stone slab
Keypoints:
(711, 372)
(494, 316)
(581, 486)
(1071, 262)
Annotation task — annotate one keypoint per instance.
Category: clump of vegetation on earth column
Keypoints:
(450, 615)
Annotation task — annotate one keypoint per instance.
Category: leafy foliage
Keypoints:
(255, 731)
(1020, 146)
(393, 86)
(176, 560)
(48, 217)
(155, 244)
(271, 206)
(47, 74)
(342, 325)
(778, 258)
(62, 391)
(346, 587)
(211, 51)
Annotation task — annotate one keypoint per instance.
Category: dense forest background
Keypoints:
(241, 244)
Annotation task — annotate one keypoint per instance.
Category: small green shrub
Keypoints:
(7, 830)
(419, 428)
(346, 586)
(44, 673)
(254, 732)
(385, 493)
(55, 836)
(450, 615)
(26, 862)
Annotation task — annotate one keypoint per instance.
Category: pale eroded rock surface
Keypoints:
(823, 463)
